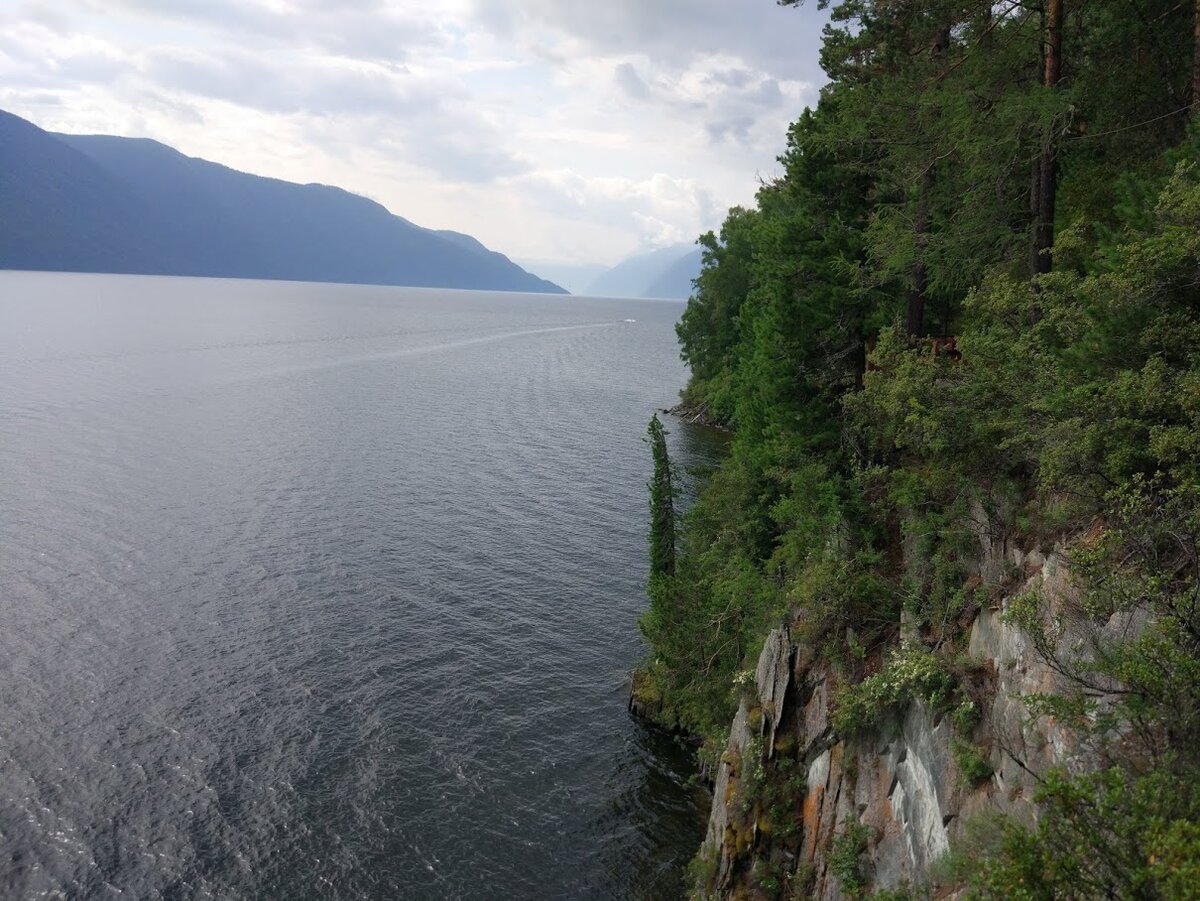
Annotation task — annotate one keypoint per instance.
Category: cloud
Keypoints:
(360, 29)
(627, 79)
(34, 54)
(466, 155)
(673, 31)
(664, 209)
(598, 126)
(429, 117)
(736, 129)
(289, 84)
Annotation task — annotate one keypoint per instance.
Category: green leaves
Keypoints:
(912, 673)
(856, 494)
(1107, 834)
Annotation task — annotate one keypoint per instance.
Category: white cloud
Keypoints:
(550, 129)
(628, 80)
(663, 209)
(673, 31)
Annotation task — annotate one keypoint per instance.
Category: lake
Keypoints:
(316, 591)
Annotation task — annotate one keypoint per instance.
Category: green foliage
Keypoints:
(702, 623)
(662, 504)
(901, 893)
(846, 859)
(1129, 830)
(752, 775)
(912, 673)
(708, 329)
(972, 762)
(769, 877)
(1101, 835)
(856, 495)
(702, 870)
(965, 717)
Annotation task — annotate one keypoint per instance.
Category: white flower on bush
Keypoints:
(743, 679)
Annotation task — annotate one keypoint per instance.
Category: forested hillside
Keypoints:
(974, 291)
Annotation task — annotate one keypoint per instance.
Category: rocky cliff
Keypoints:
(800, 811)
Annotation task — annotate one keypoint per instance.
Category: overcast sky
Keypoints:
(572, 131)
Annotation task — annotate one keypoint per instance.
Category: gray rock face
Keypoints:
(900, 780)
(771, 679)
(924, 788)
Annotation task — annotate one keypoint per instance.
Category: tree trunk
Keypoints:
(1035, 211)
(914, 323)
(915, 320)
(1044, 229)
(1196, 64)
(1042, 202)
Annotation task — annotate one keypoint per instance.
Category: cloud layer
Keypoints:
(551, 129)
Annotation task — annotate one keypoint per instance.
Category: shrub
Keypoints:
(972, 763)
(912, 673)
(845, 859)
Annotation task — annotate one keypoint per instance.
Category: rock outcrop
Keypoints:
(799, 811)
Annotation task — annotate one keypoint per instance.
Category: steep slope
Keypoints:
(109, 204)
(676, 280)
(961, 507)
(666, 272)
(834, 815)
(60, 210)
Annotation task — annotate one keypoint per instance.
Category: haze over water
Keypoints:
(313, 591)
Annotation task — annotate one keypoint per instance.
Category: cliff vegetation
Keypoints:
(953, 552)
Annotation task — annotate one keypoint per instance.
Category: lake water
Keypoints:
(313, 591)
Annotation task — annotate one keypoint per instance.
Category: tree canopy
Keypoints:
(1022, 177)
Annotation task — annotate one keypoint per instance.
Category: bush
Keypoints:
(972, 762)
(1100, 835)
(845, 859)
(912, 673)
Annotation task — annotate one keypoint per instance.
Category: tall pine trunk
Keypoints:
(1045, 177)
(914, 323)
(1196, 64)
(915, 320)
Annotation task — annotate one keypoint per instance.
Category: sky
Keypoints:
(555, 131)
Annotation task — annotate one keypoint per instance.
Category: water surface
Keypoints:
(313, 591)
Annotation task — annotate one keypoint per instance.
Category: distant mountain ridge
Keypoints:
(666, 273)
(575, 277)
(97, 203)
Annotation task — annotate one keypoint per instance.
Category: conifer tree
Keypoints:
(662, 504)
(1044, 187)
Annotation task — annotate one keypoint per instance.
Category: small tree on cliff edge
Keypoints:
(662, 504)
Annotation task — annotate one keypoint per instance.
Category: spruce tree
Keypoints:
(662, 504)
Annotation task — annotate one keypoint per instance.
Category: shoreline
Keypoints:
(696, 414)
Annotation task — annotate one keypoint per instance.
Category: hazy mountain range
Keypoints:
(94, 203)
(667, 272)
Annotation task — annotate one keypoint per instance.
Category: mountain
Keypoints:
(95, 203)
(575, 277)
(676, 279)
(667, 272)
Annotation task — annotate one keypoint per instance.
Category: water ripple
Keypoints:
(328, 592)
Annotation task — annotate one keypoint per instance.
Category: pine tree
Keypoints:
(1044, 185)
(662, 504)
